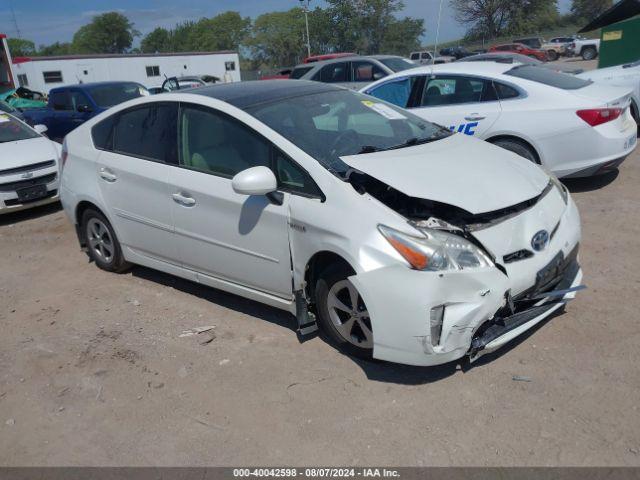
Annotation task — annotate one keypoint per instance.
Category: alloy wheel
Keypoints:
(100, 240)
(349, 314)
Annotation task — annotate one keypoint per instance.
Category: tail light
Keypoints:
(63, 155)
(598, 116)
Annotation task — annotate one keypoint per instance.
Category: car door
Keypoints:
(464, 104)
(220, 233)
(336, 72)
(139, 148)
(60, 120)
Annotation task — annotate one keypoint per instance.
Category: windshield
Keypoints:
(107, 96)
(548, 77)
(5, 107)
(397, 64)
(12, 130)
(332, 124)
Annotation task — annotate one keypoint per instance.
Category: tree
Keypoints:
(403, 36)
(158, 40)
(278, 37)
(55, 49)
(587, 10)
(20, 47)
(222, 32)
(495, 18)
(107, 33)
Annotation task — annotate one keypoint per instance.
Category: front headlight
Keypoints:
(564, 193)
(436, 250)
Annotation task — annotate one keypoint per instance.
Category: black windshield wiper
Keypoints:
(368, 149)
(415, 141)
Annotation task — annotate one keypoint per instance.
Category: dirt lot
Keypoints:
(93, 371)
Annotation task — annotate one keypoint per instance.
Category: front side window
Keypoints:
(334, 73)
(148, 132)
(363, 71)
(548, 77)
(214, 143)
(333, 124)
(397, 92)
(109, 95)
(77, 98)
(13, 130)
(455, 90)
(293, 178)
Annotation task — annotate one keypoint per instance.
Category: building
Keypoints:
(620, 34)
(44, 73)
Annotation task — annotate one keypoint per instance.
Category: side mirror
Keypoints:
(255, 181)
(84, 108)
(40, 128)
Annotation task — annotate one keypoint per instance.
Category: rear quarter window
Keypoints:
(102, 133)
(548, 77)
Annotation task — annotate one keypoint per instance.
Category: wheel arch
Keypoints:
(518, 139)
(318, 262)
(82, 207)
(635, 112)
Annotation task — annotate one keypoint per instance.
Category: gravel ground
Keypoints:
(93, 370)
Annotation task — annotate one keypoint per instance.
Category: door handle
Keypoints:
(474, 117)
(183, 199)
(108, 175)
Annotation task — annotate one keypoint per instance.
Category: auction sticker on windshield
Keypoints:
(384, 110)
(4, 118)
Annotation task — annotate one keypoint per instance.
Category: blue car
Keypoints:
(70, 106)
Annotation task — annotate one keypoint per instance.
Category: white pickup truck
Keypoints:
(588, 49)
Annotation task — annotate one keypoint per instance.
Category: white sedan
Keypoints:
(572, 126)
(627, 76)
(28, 165)
(317, 200)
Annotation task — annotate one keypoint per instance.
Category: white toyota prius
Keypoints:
(401, 241)
(28, 166)
(570, 125)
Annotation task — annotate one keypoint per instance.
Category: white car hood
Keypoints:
(465, 172)
(26, 152)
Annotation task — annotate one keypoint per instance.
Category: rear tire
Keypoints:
(517, 147)
(342, 314)
(102, 244)
(552, 55)
(589, 53)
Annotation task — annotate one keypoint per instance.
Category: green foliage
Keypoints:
(584, 11)
(54, 49)
(158, 40)
(20, 47)
(278, 37)
(107, 33)
(495, 18)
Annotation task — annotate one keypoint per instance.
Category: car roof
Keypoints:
(247, 94)
(487, 68)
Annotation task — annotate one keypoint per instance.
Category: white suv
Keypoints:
(403, 241)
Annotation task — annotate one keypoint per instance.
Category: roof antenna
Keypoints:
(435, 45)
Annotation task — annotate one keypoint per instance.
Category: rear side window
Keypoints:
(363, 71)
(548, 77)
(334, 73)
(102, 133)
(299, 72)
(505, 92)
(149, 132)
(454, 90)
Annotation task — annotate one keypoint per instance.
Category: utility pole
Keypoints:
(305, 6)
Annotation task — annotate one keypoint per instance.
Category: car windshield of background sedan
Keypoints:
(338, 123)
(397, 64)
(12, 130)
(548, 77)
(107, 96)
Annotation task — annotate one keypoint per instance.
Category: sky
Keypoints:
(46, 22)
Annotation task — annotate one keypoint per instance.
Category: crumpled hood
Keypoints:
(26, 152)
(459, 170)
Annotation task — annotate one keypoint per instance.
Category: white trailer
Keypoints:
(44, 73)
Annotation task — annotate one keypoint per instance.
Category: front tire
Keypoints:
(342, 313)
(102, 244)
(517, 147)
(552, 55)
